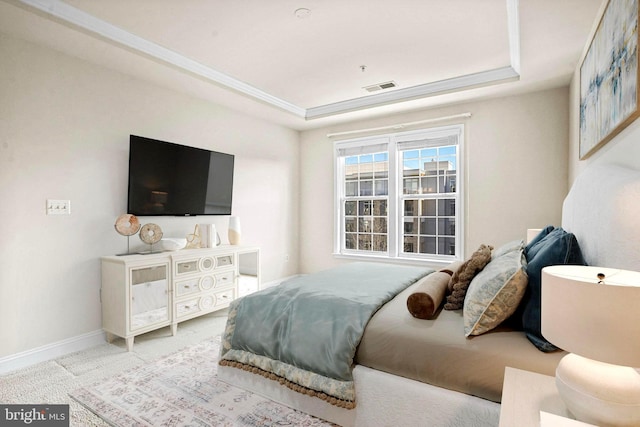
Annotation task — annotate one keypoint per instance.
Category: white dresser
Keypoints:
(141, 293)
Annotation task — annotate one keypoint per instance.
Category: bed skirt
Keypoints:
(382, 400)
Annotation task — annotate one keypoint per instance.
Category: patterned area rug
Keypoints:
(183, 390)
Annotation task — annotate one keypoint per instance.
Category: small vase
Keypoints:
(234, 230)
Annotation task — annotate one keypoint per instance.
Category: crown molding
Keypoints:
(455, 84)
(81, 19)
(469, 81)
(513, 26)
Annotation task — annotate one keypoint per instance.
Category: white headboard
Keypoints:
(603, 211)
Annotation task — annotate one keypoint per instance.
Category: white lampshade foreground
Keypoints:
(596, 319)
(600, 321)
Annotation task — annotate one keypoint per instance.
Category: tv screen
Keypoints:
(172, 179)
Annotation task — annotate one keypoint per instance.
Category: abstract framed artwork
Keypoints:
(609, 79)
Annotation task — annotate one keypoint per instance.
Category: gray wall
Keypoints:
(516, 176)
(64, 134)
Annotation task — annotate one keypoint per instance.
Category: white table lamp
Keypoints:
(594, 313)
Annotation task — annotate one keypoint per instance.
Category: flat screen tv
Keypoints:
(172, 179)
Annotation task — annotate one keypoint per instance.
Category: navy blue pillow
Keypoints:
(515, 321)
(541, 235)
(556, 248)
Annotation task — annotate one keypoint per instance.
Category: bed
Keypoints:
(411, 371)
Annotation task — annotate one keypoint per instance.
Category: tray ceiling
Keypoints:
(313, 59)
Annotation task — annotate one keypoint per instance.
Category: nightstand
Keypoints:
(525, 394)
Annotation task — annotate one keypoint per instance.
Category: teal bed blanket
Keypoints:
(304, 332)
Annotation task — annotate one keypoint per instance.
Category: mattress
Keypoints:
(437, 352)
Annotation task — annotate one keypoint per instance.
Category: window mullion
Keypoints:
(339, 219)
(392, 204)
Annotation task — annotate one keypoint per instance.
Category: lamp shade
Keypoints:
(599, 321)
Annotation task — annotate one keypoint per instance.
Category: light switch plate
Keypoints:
(58, 207)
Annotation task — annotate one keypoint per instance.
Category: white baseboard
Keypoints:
(51, 351)
(70, 345)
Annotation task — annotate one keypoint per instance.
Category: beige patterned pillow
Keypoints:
(516, 245)
(494, 294)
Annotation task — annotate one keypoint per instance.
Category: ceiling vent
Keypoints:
(380, 86)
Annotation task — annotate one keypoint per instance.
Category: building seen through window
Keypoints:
(400, 198)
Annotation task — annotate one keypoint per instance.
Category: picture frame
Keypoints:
(609, 77)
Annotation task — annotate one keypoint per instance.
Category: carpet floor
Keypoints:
(182, 389)
(51, 382)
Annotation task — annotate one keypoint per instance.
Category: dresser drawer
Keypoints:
(224, 298)
(186, 308)
(195, 265)
(207, 302)
(207, 282)
(224, 260)
(204, 304)
(187, 287)
(224, 279)
(186, 267)
(204, 264)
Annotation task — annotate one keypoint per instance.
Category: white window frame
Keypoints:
(395, 194)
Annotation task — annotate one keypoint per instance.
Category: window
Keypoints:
(399, 195)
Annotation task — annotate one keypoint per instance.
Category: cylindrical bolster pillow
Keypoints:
(428, 294)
